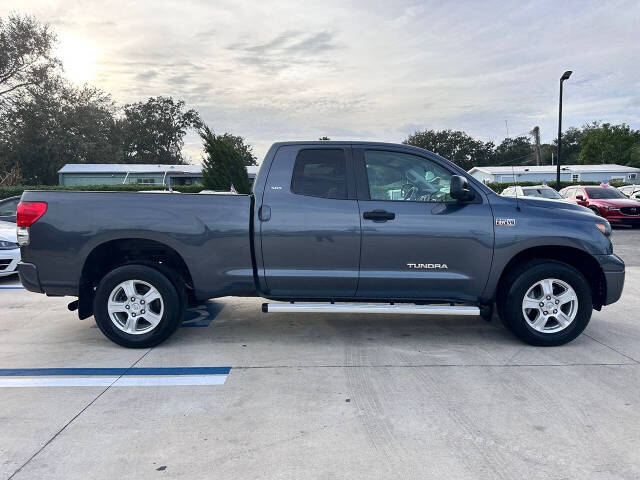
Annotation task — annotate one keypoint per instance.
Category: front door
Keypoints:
(418, 242)
(310, 223)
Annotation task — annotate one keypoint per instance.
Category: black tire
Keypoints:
(524, 277)
(172, 311)
(595, 210)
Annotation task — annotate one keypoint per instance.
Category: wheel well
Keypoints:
(578, 259)
(109, 255)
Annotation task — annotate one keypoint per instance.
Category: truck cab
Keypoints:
(369, 221)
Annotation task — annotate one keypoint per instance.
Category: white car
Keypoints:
(9, 250)
(537, 191)
(631, 191)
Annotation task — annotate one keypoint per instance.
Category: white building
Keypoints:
(118, 173)
(547, 173)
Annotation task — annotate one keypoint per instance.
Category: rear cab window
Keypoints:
(320, 173)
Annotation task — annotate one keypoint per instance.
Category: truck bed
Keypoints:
(212, 234)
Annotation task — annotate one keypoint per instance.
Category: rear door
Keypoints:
(418, 242)
(310, 223)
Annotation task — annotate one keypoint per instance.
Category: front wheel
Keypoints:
(548, 303)
(137, 306)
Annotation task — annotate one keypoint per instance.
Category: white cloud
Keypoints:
(368, 70)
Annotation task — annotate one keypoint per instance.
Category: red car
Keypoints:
(608, 202)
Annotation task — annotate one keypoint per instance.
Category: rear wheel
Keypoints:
(548, 303)
(137, 306)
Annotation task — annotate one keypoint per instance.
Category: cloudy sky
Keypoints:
(296, 70)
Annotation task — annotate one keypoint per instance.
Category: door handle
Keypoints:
(264, 213)
(379, 215)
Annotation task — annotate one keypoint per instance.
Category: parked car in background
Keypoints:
(536, 191)
(608, 202)
(9, 250)
(8, 208)
(631, 191)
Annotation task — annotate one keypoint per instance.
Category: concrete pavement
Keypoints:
(324, 396)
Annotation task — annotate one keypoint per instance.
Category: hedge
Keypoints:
(6, 192)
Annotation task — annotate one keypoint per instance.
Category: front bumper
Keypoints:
(9, 261)
(613, 270)
(617, 218)
(29, 277)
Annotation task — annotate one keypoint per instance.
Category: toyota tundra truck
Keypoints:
(331, 227)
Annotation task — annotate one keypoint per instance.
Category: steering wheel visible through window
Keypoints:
(406, 177)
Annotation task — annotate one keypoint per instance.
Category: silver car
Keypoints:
(8, 208)
(9, 251)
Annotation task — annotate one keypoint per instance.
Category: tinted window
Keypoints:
(320, 173)
(602, 192)
(401, 176)
(9, 207)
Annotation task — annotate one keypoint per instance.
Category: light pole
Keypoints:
(565, 76)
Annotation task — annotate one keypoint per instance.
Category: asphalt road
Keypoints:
(325, 397)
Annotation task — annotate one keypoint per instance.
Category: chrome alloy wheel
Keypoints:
(135, 307)
(550, 305)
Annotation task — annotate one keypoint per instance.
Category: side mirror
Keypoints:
(460, 190)
(580, 198)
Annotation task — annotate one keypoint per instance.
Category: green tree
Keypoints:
(606, 143)
(153, 131)
(26, 57)
(245, 150)
(514, 151)
(456, 146)
(571, 139)
(59, 124)
(222, 165)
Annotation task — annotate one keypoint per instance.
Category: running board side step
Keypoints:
(370, 308)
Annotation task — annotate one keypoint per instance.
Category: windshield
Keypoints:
(541, 192)
(604, 192)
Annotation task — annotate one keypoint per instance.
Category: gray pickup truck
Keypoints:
(354, 227)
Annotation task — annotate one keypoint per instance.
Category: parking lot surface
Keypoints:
(291, 396)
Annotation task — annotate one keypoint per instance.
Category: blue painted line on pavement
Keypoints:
(11, 287)
(149, 371)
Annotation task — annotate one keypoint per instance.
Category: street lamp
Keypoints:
(565, 76)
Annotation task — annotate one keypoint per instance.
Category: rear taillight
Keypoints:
(29, 212)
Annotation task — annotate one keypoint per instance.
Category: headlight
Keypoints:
(604, 227)
(4, 245)
(607, 207)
